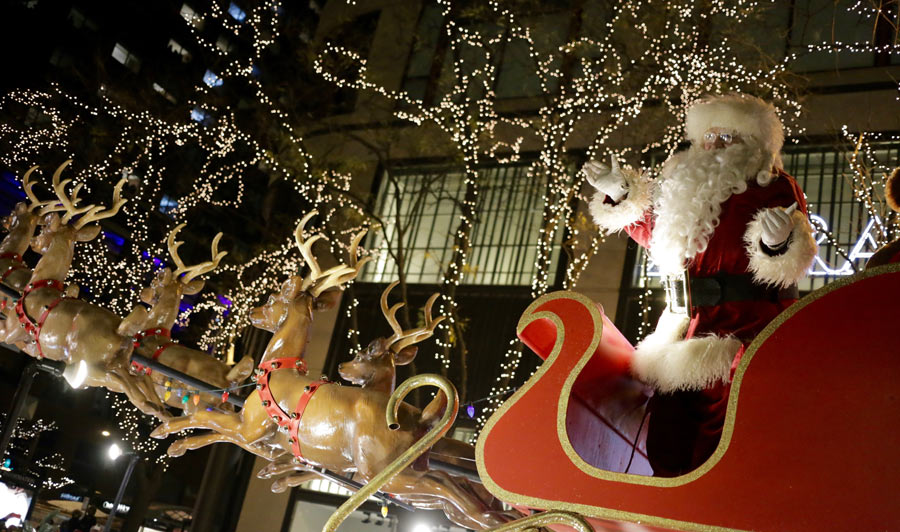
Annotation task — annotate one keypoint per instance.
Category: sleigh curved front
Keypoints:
(809, 441)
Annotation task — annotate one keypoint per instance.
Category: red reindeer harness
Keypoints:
(274, 410)
(149, 333)
(34, 328)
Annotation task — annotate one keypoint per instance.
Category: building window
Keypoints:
(211, 79)
(163, 92)
(122, 55)
(199, 115)
(77, 17)
(503, 244)
(167, 204)
(223, 44)
(236, 12)
(180, 50)
(422, 56)
(817, 22)
(191, 16)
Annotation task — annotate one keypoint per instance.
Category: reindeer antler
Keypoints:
(190, 272)
(318, 281)
(208, 266)
(401, 338)
(173, 249)
(28, 186)
(99, 212)
(69, 205)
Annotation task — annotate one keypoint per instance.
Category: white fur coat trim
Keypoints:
(787, 268)
(668, 363)
(628, 211)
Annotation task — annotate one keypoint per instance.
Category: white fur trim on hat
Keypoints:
(668, 364)
(615, 217)
(787, 268)
(738, 113)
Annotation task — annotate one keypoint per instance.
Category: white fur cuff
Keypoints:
(671, 364)
(787, 268)
(628, 211)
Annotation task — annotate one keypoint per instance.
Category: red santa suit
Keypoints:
(738, 285)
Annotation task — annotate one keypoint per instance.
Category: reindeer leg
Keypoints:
(240, 371)
(227, 427)
(179, 447)
(279, 467)
(221, 422)
(137, 397)
(283, 484)
(460, 506)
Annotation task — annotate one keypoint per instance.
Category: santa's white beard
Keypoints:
(694, 185)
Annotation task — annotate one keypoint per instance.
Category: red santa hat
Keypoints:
(743, 114)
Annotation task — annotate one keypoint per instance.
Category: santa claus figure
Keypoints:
(728, 229)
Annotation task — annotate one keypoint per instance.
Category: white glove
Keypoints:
(777, 225)
(609, 181)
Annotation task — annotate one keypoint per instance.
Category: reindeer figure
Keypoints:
(14, 273)
(375, 367)
(151, 329)
(21, 224)
(341, 428)
(63, 328)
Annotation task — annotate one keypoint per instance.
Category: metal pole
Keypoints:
(112, 513)
(454, 469)
(10, 292)
(184, 377)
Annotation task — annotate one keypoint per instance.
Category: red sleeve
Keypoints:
(641, 230)
(787, 191)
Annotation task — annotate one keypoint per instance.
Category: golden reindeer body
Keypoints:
(164, 297)
(14, 273)
(342, 428)
(81, 334)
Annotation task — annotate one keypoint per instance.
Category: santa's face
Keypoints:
(717, 138)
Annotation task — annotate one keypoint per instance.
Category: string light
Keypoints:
(48, 471)
(610, 88)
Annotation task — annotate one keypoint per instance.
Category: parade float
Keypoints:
(804, 446)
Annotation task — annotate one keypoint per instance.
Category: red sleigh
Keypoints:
(811, 439)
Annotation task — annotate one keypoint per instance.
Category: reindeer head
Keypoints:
(318, 290)
(375, 366)
(183, 280)
(24, 212)
(67, 227)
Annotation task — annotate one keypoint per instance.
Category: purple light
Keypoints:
(470, 411)
(224, 300)
(145, 254)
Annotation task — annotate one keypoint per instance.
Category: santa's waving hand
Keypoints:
(727, 218)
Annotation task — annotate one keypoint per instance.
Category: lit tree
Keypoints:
(623, 70)
(47, 470)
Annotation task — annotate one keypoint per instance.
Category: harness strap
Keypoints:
(149, 333)
(297, 416)
(273, 409)
(35, 328)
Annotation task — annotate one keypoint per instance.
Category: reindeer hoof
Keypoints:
(159, 432)
(278, 487)
(176, 449)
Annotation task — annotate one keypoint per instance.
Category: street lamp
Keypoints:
(114, 453)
